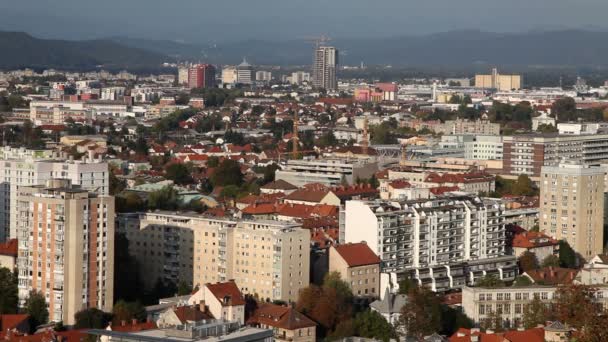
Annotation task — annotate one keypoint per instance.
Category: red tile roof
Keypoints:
(134, 327)
(533, 240)
(9, 322)
(227, 293)
(400, 184)
(357, 254)
(9, 248)
(190, 313)
(282, 317)
(552, 275)
(310, 193)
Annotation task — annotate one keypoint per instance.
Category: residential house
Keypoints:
(287, 323)
(359, 266)
(538, 243)
(222, 300)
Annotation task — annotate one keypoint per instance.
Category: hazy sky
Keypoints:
(221, 20)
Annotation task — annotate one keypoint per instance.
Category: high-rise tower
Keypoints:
(324, 68)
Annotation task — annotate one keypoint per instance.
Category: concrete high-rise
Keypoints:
(324, 68)
(201, 76)
(244, 73)
(66, 248)
(572, 206)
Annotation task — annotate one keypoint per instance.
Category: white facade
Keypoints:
(229, 75)
(263, 76)
(484, 147)
(542, 119)
(329, 172)
(578, 128)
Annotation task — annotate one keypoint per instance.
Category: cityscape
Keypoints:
(155, 190)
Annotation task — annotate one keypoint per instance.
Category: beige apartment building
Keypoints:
(572, 206)
(66, 248)
(359, 266)
(498, 82)
(267, 258)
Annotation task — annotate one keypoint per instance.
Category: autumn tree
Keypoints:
(126, 311)
(527, 261)
(227, 173)
(534, 313)
(574, 305)
(493, 321)
(421, 315)
(595, 330)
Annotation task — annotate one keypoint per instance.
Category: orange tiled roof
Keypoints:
(227, 290)
(357, 254)
(553, 275)
(282, 317)
(9, 248)
(533, 240)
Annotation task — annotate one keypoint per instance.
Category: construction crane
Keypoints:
(318, 41)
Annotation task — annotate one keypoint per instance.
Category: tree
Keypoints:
(227, 173)
(125, 266)
(127, 311)
(421, 315)
(452, 320)
(382, 135)
(91, 318)
(179, 173)
(9, 299)
(35, 306)
(567, 256)
(269, 172)
(521, 281)
(213, 161)
(129, 202)
(183, 288)
(406, 285)
(493, 321)
(527, 261)
(595, 330)
(524, 186)
(534, 313)
(551, 261)
(490, 281)
(165, 199)
(371, 324)
(564, 109)
(116, 185)
(575, 305)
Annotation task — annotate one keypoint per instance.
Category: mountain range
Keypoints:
(455, 48)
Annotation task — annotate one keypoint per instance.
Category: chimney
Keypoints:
(91, 155)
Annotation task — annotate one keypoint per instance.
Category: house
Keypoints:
(551, 276)
(130, 327)
(312, 194)
(358, 265)
(19, 324)
(390, 306)
(181, 315)
(287, 323)
(595, 271)
(222, 300)
(8, 254)
(278, 185)
(475, 335)
(536, 242)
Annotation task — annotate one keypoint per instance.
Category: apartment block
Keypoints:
(479, 302)
(527, 154)
(572, 206)
(19, 167)
(267, 258)
(327, 171)
(324, 68)
(443, 243)
(66, 247)
(484, 147)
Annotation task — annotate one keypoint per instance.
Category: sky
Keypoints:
(204, 21)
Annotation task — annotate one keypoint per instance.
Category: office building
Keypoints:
(66, 248)
(22, 167)
(267, 258)
(244, 73)
(527, 154)
(330, 172)
(572, 206)
(201, 76)
(498, 81)
(484, 147)
(263, 76)
(229, 75)
(325, 67)
(444, 243)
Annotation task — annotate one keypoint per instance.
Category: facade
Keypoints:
(359, 266)
(538, 243)
(582, 128)
(182, 75)
(229, 75)
(572, 206)
(325, 67)
(480, 126)
(201, 76)
(21, 167)
(66, 248)
(484, 147)
(221, 300)
(542, 119)
(595, 271)
(287, 324)
(299, 77)
(479, 302)
(263, 76)
(328, 172)
(527, 154)
(244, 73)
(267, 258)
(443, 243)
(498, 82)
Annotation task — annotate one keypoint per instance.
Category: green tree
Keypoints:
(179, 173)
(534, 313)
(371, 324)
(527, 261)
(92, 318)
(127, 311)
(382, 135)
(452, 320)
(35, 306)
(524, 186)
(406, 285)
(227, 173)
(522, 281)
(490, 281)
(184, 288)
(269, 172)
(8, 288)
(129, 202)
(421, 315)
(125, 267)
(165, 199)
(493, 321)
(551, 261)
(567, 256)
(213, 161)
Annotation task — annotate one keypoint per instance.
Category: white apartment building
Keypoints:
(326, 171)
(267, 258)
(484, 147)
(444, 243)
(66, 248)
(20, 167)
(263, 76)
(572, 206)
(112, 93)
(578, 128)
(299, 77)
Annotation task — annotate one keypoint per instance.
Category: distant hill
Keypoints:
(19, 49)
(456, 48)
